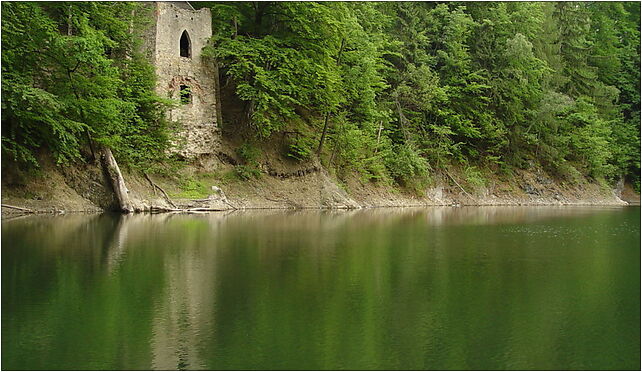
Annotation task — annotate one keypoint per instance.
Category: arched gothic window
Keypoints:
(186, 45)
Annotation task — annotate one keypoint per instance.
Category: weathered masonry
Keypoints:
(174, 43)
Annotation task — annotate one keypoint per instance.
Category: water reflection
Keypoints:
(185, 314)
(425, 288)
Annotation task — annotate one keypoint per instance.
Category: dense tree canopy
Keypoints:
(72, 78)
(392, 90)
(411, 86)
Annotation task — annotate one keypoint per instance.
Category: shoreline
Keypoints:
(84, 189)
(8, 213)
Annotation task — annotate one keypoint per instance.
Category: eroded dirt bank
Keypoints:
(213, 184)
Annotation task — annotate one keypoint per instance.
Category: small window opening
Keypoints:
(186, 95)
(186, 45)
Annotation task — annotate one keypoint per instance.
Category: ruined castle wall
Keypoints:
(200, 133)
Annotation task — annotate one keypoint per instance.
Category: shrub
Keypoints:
(249, 155)
(301, 148)
(474, 177)
(407, 166)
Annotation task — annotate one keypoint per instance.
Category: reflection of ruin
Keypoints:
(184, 316)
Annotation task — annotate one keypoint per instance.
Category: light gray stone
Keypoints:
(199, 132)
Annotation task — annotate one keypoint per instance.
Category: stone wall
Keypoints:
(200, 133)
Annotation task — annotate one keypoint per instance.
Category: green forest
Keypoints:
(391, 91)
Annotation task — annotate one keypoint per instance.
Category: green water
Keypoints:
(439, 288)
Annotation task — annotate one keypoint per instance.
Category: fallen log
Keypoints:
(456, 183)
(205, 210)
(185, 210)
(27, 210)
(230, 204)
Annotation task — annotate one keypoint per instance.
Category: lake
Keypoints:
(416, 288)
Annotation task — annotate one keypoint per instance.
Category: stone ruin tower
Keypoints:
(174, 43)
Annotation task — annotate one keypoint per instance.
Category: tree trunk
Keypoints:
(327, 115)
(325, 130)
(217, 87)
(378, 136)
(117, 181)
(69, 29)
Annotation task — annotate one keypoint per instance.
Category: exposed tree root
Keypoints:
(155, 186)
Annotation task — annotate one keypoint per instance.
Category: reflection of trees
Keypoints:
(386, 290)
(40, 242)
(418, 288)
(69, 305)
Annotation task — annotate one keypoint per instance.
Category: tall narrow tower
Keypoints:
(174, 43)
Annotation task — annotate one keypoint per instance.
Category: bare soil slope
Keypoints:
(212, 182)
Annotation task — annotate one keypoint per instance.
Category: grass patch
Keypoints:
(199, 186)
(474, 177)
(192, 188)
